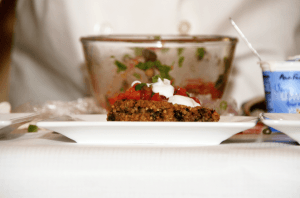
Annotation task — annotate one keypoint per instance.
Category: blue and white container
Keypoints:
(282, 86)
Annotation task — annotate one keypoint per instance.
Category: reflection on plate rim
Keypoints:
(250, 120)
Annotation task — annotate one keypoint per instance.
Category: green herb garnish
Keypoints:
(121, 66)
(164, 50)
(200, 53)
(180, 61)
(32, 128)
(126, 56)
(157, 37)
(138, 76)
(223, 105)
(164, 70)
(179, 51)
(138, 51)
(140, 86)
(155, 78)
(145, 66)
(187, 94)
(122, 89)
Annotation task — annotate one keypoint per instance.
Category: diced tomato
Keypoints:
(156, 97)
(112, 100)
(121, 96)
(209, 88)
(192, 86)
(181, 91)
(204, 89)
(135, 95)
(146, 93)
(131, 90)
(196, 99)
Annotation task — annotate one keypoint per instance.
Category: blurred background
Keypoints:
(7, 19)
(42, 57)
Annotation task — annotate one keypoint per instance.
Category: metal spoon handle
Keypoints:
(245, 39)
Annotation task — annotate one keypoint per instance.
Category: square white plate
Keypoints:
(96, 130)
(285, 122)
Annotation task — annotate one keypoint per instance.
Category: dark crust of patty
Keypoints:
(145, 110)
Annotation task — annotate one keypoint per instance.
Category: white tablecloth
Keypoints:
(45, 164)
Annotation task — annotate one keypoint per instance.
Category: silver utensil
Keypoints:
(245, 39)
(16, 123)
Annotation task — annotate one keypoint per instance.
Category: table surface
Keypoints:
(47, 164)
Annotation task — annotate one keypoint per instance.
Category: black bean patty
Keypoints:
(145, 110)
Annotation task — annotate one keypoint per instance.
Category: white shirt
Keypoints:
(47, 56)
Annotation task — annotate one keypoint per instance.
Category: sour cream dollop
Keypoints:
(134, 82)
(164, 87)
(139, 82)
(183, 100)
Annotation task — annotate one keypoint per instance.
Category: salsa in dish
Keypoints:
(158, 101)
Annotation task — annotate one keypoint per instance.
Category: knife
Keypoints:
(16, 123)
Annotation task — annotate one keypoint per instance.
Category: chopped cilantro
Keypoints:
(157, 37)
(164, 50)
(138, 76)
(200, 53)
(138, 51)
(223, 105)
(32, 128)
(180, 61)
(112, 56)
(179, 51)
(155, 78)
(164, 70)
(187, 94)
(126, 56)
(121, 66)
(145, 66)
(140, 86)
(122, 89)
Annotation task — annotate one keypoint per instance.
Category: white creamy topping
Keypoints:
(183, 100)
(164, 88)
(135, 82)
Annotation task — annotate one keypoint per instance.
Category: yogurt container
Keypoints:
(282, 86)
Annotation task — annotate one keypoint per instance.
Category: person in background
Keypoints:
(47, 56)
(7, 18)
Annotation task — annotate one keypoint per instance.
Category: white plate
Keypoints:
(96, 130)
(6, 118)
(284, 122)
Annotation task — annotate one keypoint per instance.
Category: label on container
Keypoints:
(282, 91)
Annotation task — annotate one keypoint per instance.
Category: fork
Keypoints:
(16, 123)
